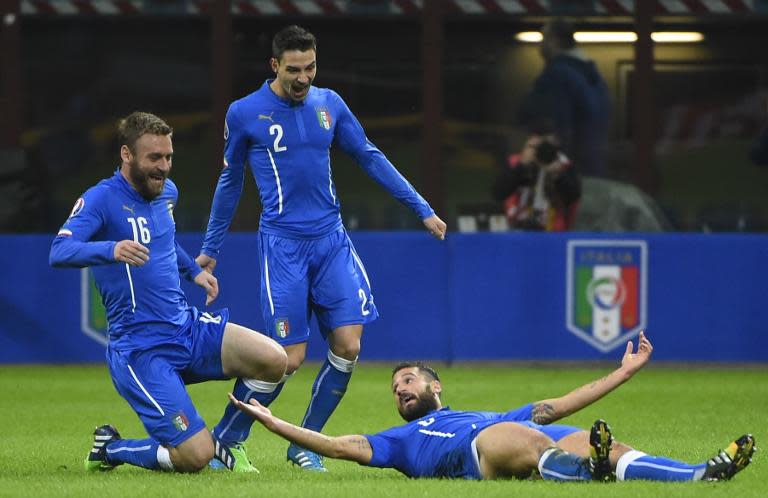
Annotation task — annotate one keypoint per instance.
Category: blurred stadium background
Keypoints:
(436, 85)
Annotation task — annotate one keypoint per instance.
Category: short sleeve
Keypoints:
(385, 448)
(522, 414)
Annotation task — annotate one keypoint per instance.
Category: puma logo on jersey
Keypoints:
(129, 209)
(264, 116)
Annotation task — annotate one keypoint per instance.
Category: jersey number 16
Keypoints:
(140, 230)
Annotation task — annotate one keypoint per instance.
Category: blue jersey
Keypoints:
(438, 444)
(145, 305)
(287, 145)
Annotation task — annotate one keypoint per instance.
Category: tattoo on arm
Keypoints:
(543, 413)
(362, 443)
(358, 449)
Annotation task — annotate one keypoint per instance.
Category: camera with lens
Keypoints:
(546, 152)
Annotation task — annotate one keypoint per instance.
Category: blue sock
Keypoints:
(638, 465)
(146, 453)
(234, 427)
(559, 465)
(327, 391)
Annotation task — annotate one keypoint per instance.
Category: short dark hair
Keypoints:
(136, 124)
(561, 32)
(423, 368)
(292, 38)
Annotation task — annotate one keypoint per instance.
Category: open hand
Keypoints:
(632, 362)
(254, 409)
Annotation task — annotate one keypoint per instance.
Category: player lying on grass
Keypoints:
(440, 442)
(123, 228)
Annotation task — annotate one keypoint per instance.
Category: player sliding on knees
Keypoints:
(440, 442)
(123, 228)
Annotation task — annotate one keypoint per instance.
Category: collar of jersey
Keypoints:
(127, 187)
(443, 409)
(284, 102)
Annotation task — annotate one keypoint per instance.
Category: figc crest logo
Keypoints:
(606, 290)
(93, 316)
(323, 118)
(282, 328)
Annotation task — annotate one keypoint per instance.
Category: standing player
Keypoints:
(440, 442)
(284, 131)
(124, 229)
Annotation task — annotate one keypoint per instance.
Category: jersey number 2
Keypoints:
(364, 298)
(140, 230)
(276, 129)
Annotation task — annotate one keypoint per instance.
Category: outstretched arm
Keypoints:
(350, 136)
(550, 410)
(355, 448)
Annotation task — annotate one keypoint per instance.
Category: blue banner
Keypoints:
(484, 296)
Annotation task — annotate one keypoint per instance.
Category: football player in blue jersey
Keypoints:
(440, 442)
(123, 228)
(284, 131)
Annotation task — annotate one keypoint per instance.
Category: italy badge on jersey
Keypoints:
(323, 117)
(181, 422)
(606, 290)
(282, 329)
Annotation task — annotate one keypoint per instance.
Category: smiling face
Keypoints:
(295, 70)
(415, 393)
(148, 165)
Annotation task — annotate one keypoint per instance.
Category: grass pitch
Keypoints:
(47, 415)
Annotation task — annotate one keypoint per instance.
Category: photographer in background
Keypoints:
(571, 92)
(539, 188)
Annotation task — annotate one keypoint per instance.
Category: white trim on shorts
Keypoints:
(133, 374)
(360, 264)
(476, 456)
(269, 289)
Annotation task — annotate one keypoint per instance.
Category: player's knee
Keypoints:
(618, 449)
(276, 364)
(349, 349)
(201, 456)
(194, 458)
(540, 443)
(197, 463)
